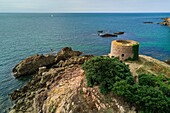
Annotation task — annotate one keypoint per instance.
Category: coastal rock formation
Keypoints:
(63, 87)
(66, 53)
(64, 90)
(31, 64)
(166, 22)
(73, 95)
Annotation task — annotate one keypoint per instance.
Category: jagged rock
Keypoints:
(166, 21)
(66, 53)
(31, 64)
(31, 97)
(42, 69)
(68, 93)
(73, 60)
(71, 94)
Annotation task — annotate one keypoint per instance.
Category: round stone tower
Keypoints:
(125, 49)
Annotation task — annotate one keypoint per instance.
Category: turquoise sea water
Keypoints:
(22, 35)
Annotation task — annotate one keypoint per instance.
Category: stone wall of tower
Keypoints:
(123, 51)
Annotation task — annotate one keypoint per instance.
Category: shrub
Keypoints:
(123, 89)
(105, 71)
(149, 80)
(150, 95)
(160, 82)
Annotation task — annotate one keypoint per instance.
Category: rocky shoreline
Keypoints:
(60, 85)
(43, 79)
(62, 88)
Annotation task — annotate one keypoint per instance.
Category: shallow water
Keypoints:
(22, 35)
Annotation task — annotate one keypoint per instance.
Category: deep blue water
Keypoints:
(22, 35)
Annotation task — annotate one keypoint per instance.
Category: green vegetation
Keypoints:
(105, 71)
(135, 51)
(150, 95)
(135, 48)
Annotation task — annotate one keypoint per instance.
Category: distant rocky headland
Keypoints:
(59, 84)
(166, 22)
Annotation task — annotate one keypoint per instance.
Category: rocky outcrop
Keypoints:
(31, 64)
(31, 97)
(66, 53)
(64, 90)
(71, 95)
(166, 22)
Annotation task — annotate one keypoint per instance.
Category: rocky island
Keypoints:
(166, 21)
(60, 85)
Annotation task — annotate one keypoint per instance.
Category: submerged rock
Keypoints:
(106, 35)
(31, 64)
(148, 22)
(100, 31)
(119, 33)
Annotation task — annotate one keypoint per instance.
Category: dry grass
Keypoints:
(149, 65)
